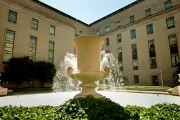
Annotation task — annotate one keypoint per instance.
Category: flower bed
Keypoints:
(91, 109)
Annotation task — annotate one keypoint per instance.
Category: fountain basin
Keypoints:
(54, 99)
(88, 76)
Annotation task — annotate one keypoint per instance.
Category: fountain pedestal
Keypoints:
(88, 50)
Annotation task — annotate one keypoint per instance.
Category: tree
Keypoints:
(43, 71)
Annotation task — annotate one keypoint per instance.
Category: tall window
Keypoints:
(34, 24)
(149, 29)
(136, 79)
(12, 16)
(133, 34)
(118, 24)
(107, 28)
(119, 38)
(120, 58)
(152, 54)
(134, 56)
(168, 4)
(170, 22)
(52, 30)
(131, 19)
(174, 49)
(107, 41)
(97, 32)
(148, 12)
(8, 45)
(51, 52)
(32, 47)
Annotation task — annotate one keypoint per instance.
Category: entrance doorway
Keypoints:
(155, 81)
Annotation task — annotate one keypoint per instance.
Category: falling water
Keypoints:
(62, 82)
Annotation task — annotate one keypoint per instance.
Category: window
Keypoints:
(12, 16)
(152, 54)
(32, 47)
(134, 56)
(133, 34)
(120, 58)
(149, 29)
(107, 41)
(174, 50)
(97, 32)
(170, 22)
(51, 52)
(118, 24)
(34, 24)
(8, 45)
(148, 12)
(52, 30)
(119, 38)
(107, 28)
(107, 51)
(136, 79)
(168, 4)
(132, 19)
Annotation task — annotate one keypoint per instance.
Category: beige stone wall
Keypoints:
(67, 29)
(64, 33)
(160, 36)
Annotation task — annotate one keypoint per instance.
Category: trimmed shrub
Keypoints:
(18, 69)
(22, 69)
(90, 108)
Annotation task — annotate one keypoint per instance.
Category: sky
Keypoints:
(88, 11)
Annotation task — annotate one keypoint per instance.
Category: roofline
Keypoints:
(103, 18)
(58, 11)
(117, 11)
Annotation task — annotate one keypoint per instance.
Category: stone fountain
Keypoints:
(88, 72)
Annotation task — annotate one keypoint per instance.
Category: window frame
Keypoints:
(52, 26)
(170, 18)
(107, 42)
(166, 3)
(50, 51)
(4, 62)
(35, 47)
(107, 29)
(132, 35)
(148, 11)
(132, 19)
(36, 23)
(119, 40)
(170, 36)
(151, 28)
(11, 11)
(118, 24)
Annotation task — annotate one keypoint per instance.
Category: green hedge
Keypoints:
(22, 69)
(91, 109)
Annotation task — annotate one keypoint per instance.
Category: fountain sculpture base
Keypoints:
(88, 89)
